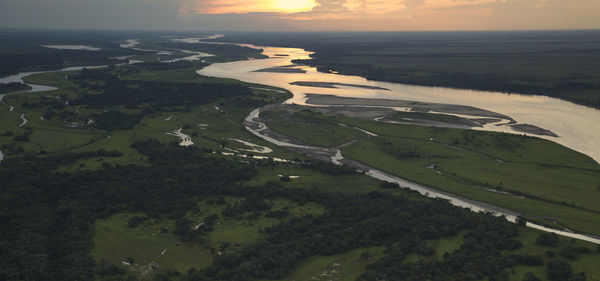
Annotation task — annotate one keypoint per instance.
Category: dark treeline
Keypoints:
(566, 88)
(22, 51)
(116, 120)
(561, 64)
(47, 217)
(159, 94)
(231, 52)
(13, 87)
(157, 66)
(351, 221)
(479, 257)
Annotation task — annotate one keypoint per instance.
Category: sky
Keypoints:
(301, 15)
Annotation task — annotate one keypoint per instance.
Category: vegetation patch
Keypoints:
(305, 127)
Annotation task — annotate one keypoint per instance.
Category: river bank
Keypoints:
(544, 117)
(256, 126)
(479, 116)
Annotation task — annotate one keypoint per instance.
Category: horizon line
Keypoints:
(292, 30)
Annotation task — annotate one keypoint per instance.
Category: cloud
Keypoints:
(245, 6)
(375, 6)
(398, 14)
(327, 9)
(301, 14)
(428, 5)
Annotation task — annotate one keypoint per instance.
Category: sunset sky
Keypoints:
(301, 14)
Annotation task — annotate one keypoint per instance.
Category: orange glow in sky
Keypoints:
(294, 6)
(297, 15)
(400, 14)
(249, 6)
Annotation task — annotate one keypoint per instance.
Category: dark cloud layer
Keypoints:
(323, 15)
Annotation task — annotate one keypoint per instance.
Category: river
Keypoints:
(577, 126)
(258, 128)
(18, 78)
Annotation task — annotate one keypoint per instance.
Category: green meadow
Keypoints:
(550, 184)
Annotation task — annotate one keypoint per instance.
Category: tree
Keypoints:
(530, 277)
(559, 270)
(547, 239)
(521, 221)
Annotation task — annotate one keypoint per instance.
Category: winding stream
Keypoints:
(186, 140)
(24, 120)
(18, 78)
(577, 126)
(254, 125)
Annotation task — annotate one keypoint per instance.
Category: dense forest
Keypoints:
(22, 51)
(115, 91)
(12, 87)
(51, 203)
(232, 52)
(52, 240)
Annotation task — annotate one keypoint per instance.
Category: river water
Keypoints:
(18, 78)
(258, 128)
(577, 127)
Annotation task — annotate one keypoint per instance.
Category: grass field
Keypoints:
(302, 127)
(549, 183)
(211, 126)
(585, 262)
(153, 246)
(176, 75)
(311, 179)
(469, 163)
(347, 266)
(114, 242)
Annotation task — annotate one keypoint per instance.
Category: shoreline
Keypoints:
(334, 85)
(329, 100)
(326, 69)
(475, 114)
(255, 125)
(570, 121)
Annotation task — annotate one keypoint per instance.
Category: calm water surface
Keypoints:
(578, 127)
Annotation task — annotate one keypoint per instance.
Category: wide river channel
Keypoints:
(577, 126)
